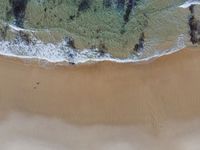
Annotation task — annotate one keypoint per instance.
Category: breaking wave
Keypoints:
(60, 52)
(189, 3)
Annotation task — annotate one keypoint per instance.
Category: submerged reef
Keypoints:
(114, 26)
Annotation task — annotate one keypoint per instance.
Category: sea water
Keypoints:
(165, 28)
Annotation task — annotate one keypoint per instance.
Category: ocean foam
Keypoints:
(60, 53)
(17, 29)
(189, 3)
(56, 53)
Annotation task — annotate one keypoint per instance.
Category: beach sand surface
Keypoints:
(150, 93)
(102, 106)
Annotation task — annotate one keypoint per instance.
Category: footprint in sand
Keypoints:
(37, 84)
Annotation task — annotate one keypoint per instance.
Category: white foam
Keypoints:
(17, 29)
(56, 53)
(189, 3)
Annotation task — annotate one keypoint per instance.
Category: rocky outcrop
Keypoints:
(140, 45)
(129, 8)
(18, 10)
(194, 25)
(69, 42)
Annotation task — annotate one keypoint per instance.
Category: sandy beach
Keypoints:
(103, 106)
(148, 93)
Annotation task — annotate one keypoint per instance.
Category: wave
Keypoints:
(61, 53)
(56, 53)
(189, 3)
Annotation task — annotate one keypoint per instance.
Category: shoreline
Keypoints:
(107, 57)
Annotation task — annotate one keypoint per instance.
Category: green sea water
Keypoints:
(161, 21)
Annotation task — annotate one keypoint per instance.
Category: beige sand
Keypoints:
(151, 93)
(22, 132)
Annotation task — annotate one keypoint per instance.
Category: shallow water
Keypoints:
(164, 24)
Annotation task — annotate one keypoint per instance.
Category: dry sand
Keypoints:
(150, 93)
(103, 106)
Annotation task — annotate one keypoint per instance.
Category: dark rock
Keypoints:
(128, 11)
(72, 17)
(18, 10)
(72, 63)
(102, 48)
(107, 3)
(191, 8)
(194, 25)
(84, 5)
(195, 32)
(23, 37)
(140, 45)
(71, 56)
(120, 4)
(141, 41)
(136, 48)
(69, 42)
(45, 9)
(193, 37)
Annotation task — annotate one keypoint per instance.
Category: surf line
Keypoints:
(189, 3)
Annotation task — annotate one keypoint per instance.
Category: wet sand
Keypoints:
(105, 93)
